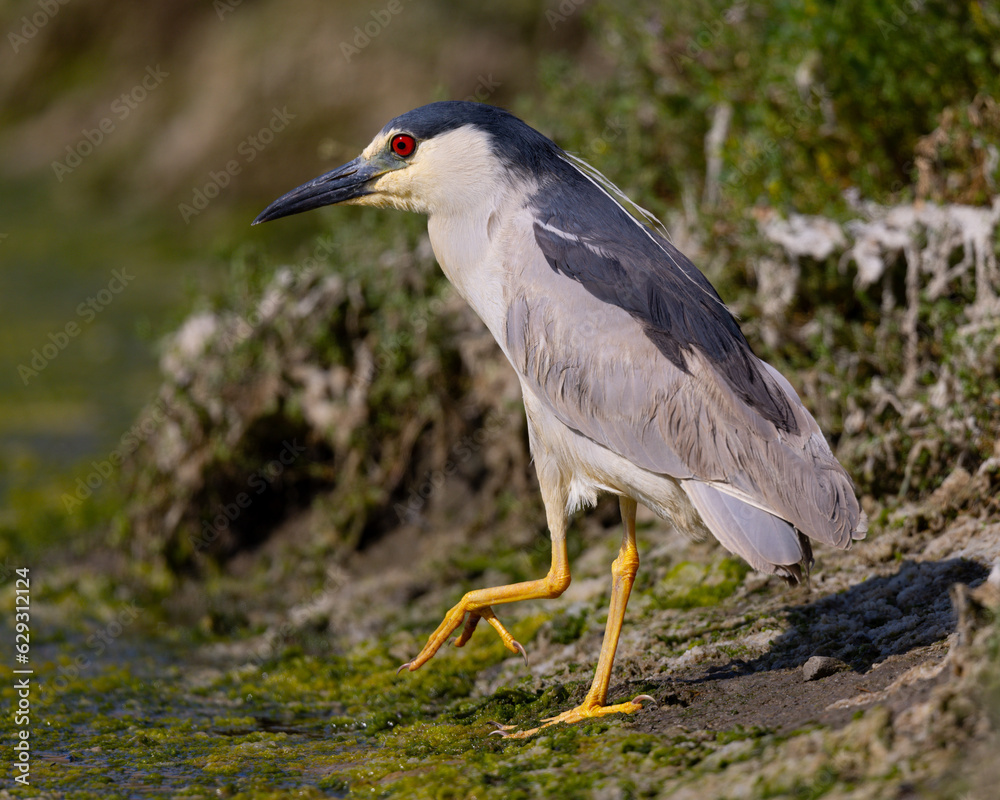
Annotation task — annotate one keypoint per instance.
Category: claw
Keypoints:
(644, 698)
(404, 666)
(508, 641)
(501, 729)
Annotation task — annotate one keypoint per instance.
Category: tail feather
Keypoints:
(767, 542)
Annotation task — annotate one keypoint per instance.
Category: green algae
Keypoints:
(159, 715)
(148, 718)
(689, 585)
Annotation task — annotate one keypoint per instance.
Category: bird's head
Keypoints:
(442, 157)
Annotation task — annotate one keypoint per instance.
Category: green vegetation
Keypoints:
(825, 98)
(690, 585)
(337, 370)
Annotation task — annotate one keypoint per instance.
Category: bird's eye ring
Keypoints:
(403, 144)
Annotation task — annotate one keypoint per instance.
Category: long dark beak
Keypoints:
(344, 183)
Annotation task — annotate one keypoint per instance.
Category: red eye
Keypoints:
(403, 144)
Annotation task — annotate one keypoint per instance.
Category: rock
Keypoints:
(820, 667)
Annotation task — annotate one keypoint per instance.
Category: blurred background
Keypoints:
(833, 167)
(137, 143)
(114, 117)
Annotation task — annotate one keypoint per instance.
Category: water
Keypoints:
(85, 291)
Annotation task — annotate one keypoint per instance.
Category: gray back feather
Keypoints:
(664, 397)
(587, 236)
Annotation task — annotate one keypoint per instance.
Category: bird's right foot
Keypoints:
(587, 710)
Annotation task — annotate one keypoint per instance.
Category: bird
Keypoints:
(636, 378)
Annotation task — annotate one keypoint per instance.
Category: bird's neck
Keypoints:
(465, 245)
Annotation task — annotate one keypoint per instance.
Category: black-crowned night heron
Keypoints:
(636, 378)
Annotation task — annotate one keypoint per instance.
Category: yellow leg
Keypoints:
(623, 572)
(478, 604)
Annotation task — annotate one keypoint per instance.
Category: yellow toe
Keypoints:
(584, 711)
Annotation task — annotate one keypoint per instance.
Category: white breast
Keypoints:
(473, 249)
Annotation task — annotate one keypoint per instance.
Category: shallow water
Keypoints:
(148, 717)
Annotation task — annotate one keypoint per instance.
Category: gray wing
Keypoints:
(628, 344)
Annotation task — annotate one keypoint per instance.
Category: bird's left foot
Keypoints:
(584, 711)
(450, 624)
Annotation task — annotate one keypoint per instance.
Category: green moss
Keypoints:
(567, 628)
(819, 785)
(824, 95)
(347, 725)
(689, 585)
(739, 734)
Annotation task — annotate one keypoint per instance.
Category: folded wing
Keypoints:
(628, 344)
